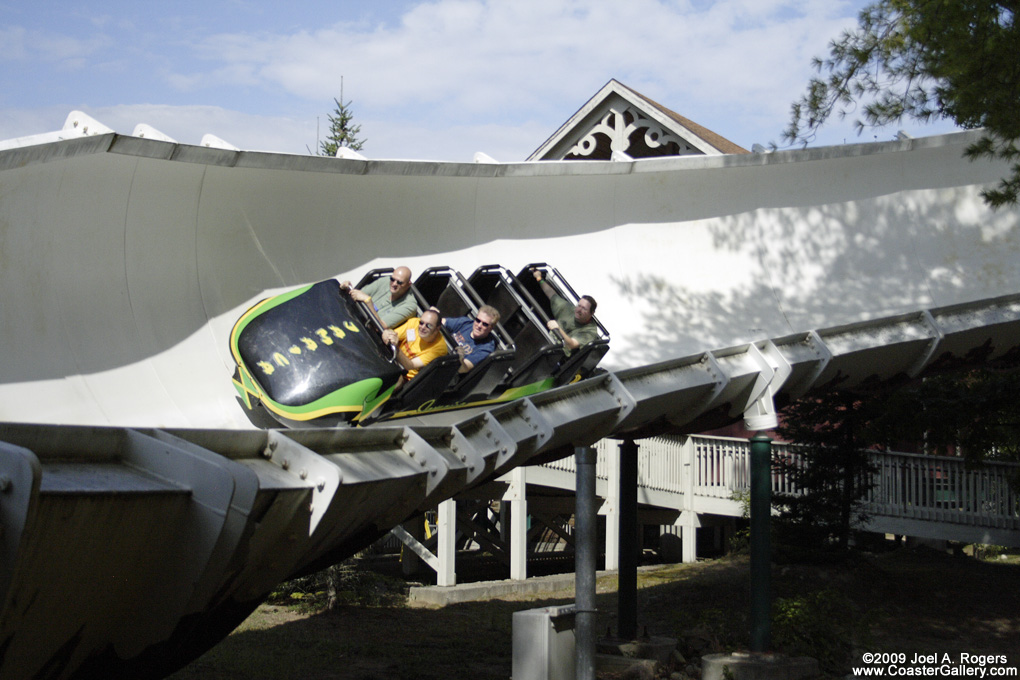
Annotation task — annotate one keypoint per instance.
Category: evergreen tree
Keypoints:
(341, 131)
(830, 468)
(926, 60)
(973, 413)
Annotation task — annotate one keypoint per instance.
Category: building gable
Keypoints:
(619, 122)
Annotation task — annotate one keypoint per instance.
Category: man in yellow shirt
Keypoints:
(418, 341)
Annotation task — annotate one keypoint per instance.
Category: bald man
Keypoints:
(390, 297)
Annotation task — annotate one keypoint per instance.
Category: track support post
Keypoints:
(761, 543)
(584, 563)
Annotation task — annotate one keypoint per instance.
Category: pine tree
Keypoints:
(831, 468)
(341, 131)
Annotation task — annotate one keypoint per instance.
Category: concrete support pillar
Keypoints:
(446, 528)
(688, 520)
(689, 523)
(585, 518)
(517, 496)
(611, 509)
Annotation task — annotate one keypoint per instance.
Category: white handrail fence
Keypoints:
(905, 485)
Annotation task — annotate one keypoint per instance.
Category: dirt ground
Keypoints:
(909, 600)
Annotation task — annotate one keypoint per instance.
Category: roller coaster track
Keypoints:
(143, 518)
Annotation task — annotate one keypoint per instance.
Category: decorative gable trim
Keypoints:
(619, 122)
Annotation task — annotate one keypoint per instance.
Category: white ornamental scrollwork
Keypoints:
(614, 125)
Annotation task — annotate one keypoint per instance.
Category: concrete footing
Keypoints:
(658, 649)
(757, 666)
(634, 668)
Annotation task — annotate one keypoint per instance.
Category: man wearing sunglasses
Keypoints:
(419, 341)
(473, 335)
(389, 296)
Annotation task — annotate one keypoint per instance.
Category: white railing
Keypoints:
(906, 485)
(944, 489)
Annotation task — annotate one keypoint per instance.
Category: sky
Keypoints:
(436, 80)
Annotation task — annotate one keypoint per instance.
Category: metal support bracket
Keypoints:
(760, 411)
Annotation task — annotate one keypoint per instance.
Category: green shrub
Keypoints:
(823, 624)
(346, 583)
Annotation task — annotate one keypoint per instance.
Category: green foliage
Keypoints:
(341, 131)
(346, 583)
(740, 541)
(831, 468)
(823, 624)
(926, 60)
(974, 413)
(717, 630)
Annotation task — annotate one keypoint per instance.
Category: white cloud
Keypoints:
(21, 44)
(473, 57)
(450, 77)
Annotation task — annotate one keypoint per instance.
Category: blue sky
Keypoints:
(432, 80)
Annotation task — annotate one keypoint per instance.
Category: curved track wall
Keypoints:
(125, 261)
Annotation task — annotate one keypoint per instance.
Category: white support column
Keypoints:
(611, 508)
(446, 529)
(688, 523)
(688, 520)
(516, 494)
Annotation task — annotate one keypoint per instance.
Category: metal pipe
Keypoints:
(626, 592)
(761, 545)
(584, 563)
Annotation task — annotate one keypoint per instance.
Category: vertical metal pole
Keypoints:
(584, 563)
(410, 563)
(626, 592)
(761, 544)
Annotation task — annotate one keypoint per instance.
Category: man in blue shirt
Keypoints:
(473, 336)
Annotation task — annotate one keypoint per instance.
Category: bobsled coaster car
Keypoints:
(314, 357)
(308, 355)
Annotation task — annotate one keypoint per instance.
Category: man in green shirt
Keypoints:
(574, 324)
(390, 297)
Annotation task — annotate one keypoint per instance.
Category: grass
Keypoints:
(910, 600)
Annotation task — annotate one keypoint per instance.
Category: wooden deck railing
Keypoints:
(905, 485)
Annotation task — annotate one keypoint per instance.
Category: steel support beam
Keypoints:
(584, 564)
(626, 592)
(761, 545)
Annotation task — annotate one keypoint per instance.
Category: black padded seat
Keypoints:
(428, 385)
(481, 381)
